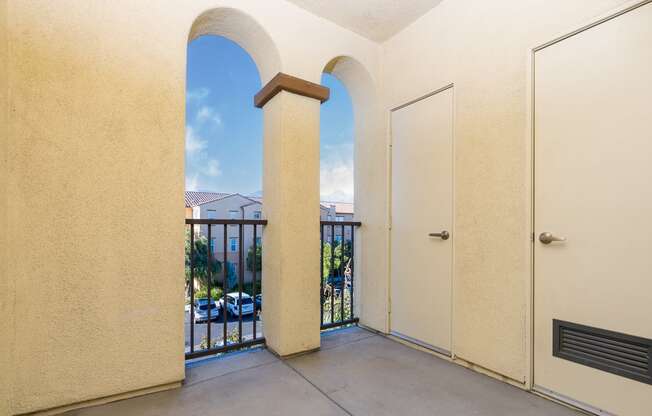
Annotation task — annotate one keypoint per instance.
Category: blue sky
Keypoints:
(224, 131)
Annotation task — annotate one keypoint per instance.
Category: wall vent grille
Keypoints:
(614, 352)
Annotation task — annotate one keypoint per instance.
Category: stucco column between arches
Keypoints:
(291, 194)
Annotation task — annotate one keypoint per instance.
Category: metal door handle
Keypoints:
(547, 238)
(444, 235)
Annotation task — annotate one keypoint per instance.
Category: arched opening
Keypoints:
(336, 208)
(224, 215)
(363, 298)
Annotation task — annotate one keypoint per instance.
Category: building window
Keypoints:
(257, 215)
(338, 239)
(330, 218)
(340, 218)
(234, 214)
(211, 214)
(233, 243)
(259, 241)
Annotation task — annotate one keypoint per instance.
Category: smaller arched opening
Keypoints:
(353, 165)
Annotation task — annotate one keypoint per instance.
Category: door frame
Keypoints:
(390, 175)
(620, 10)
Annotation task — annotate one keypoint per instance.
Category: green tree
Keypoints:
(258, 258)
(338, 257)
(201, 262)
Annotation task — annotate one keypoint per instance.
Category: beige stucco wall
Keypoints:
(482, 47)
(6, 335)
(96, 165)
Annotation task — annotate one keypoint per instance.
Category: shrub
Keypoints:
(216, 293)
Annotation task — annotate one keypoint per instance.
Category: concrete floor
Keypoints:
(355, 373)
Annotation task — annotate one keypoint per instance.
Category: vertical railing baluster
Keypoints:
(253, 280)
(225, 269)
(192, 287)
(331, 276)
(209, 260)
(240, 280)
(352, 260)
(321, 275)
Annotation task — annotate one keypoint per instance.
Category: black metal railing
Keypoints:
(213, 269)
(337, 273)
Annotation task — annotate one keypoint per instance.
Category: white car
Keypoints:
(232, 304)
(201, 310)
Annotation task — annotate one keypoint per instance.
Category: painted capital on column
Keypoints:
(284, 82)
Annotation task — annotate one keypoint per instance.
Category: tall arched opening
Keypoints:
(228, 56)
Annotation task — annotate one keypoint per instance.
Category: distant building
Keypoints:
(216, 205)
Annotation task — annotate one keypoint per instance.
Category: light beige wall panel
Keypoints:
(483, 48)
(6, 305)
(95, 219)
(96, 166)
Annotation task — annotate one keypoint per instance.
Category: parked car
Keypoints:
(201, 310)
(233, 305)
(259, 302)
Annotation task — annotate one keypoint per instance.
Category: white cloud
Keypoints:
(336, 174)
(207, 113)
(192, 183)
(194, 143)
(212, 168)
(197, 95)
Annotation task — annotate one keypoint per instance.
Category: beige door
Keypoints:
(422, 176)
(593, 187)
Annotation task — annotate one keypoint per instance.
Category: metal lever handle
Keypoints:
(547, 238)
(444, 235)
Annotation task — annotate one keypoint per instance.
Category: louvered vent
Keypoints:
(617, 353)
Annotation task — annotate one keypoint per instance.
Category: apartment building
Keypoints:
(219, 205)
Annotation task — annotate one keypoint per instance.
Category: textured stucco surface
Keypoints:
(96, 164)
(482, 47)
(6, 335)
(291, 241)
(95, 138)
(374, 19)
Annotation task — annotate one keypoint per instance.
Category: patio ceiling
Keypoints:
(377, 20)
